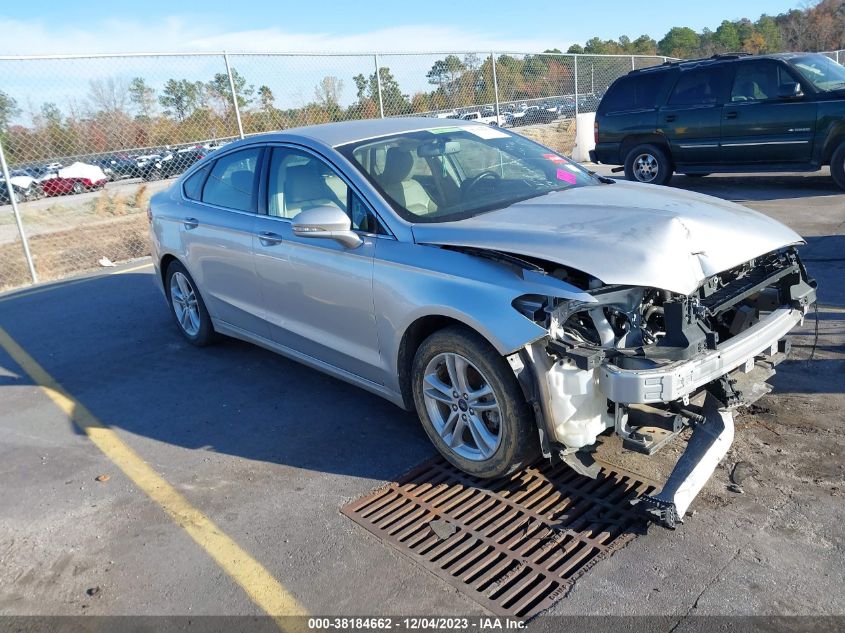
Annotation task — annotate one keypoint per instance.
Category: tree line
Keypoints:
(118, 114)
(820, 27)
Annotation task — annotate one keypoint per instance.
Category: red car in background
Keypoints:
(75, 178)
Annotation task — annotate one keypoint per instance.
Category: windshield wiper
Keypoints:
(602, 179)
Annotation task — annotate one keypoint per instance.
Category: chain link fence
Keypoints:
(88, 139)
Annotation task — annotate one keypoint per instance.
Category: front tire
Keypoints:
(837, 166)
(187, 306)
(470, 404)
(648, 164)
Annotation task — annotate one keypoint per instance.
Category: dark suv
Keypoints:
(727, 113)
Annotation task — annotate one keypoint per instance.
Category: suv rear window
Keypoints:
(635, 92)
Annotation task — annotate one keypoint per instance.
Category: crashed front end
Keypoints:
(649, 362)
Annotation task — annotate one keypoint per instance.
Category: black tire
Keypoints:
(518, 444)
(696, 175)
(205, 334)
(837, 166)
(655, 159)
(78, 187)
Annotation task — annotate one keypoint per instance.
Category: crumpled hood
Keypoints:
(626, 233)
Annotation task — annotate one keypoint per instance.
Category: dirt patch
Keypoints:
(68, 239)
(78, 249)
(559, 135)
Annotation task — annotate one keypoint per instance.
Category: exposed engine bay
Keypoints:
(649, 363)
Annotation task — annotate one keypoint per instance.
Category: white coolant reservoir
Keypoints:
(578, 408)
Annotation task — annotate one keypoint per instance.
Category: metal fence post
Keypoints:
(378, 87)
(575, 57)
(633, 64)
(16, 212)
(495, 86)
(234, 95)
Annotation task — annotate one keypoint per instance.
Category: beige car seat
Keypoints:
(306, 188)
(396, 182)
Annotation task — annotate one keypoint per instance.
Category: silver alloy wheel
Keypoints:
(462, 406)
(646, 167)
(185, 304)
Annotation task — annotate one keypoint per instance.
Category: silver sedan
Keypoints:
(518, 302)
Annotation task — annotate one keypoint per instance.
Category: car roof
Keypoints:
(334, 134)
(689, 64)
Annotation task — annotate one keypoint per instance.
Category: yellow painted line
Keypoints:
(264, 590)
(72, 282)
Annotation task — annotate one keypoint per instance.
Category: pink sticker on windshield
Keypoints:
(566, 176)
(554, 158)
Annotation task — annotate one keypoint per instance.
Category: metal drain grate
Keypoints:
(516, 544)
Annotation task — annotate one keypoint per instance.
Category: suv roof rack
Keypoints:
(706, 59)
(678, 62)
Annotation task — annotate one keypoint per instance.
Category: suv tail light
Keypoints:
(596, 132)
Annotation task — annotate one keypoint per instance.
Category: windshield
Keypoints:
(452, 173)
(824, 73)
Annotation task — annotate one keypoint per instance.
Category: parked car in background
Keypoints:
(534, 114)
(143, 160)
(5, 196)
(588, 102)
(518, 302)
(488, 117)
(118, 167)
(27, 186)
(727, 113)
(172, 164)
(75, 178)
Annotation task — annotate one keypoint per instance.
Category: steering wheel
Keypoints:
(470, 183)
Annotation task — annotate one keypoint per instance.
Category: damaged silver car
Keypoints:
(518, 302)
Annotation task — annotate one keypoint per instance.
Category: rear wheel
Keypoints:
(471, 405)
(649, 164)
(837, 166)
(187, 306)
(78, 187)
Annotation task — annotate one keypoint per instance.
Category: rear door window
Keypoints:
(194, 182)
(232, 181)
(701, 86)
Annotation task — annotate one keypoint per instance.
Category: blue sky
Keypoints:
(328, 26)
(95, 26)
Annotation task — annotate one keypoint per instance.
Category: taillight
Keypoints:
(596, 132)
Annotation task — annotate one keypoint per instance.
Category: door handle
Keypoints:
(269, 239)
(731, 115)
(190, 223)
(670, 118)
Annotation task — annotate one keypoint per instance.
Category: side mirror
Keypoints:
(790, 91)
(326, 222)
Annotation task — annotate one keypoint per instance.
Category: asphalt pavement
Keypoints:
(222, 470)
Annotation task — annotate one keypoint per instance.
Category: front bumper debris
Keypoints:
(709, 443)
(678, 380)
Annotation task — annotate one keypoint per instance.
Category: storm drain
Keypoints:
(516, 544)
